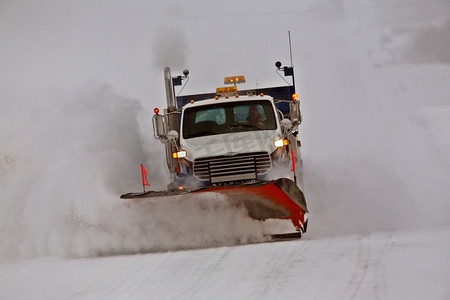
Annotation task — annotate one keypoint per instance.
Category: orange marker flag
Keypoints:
(144, 177)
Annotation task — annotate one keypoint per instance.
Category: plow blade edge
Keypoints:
(277, 199)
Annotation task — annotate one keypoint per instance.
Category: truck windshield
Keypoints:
(228, 117)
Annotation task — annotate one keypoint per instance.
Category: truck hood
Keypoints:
(222, 144)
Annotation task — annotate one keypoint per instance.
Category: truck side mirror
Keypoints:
(172, 135)
(159, 127)
(295, 114)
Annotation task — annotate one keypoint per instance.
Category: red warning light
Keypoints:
(294, 96)
(156, 111)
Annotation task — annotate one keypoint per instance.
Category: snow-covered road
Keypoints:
(385, 265)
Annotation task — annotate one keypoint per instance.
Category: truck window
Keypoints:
(228, 117)
(245, 113)
(212, 114)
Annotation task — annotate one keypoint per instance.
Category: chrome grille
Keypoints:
(237, 167)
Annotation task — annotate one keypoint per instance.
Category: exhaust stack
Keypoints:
(170, 95)
(171, 116)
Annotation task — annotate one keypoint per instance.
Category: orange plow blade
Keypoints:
(277, 199)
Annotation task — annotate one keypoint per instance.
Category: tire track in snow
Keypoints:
(287, 256)
(380, 287)
(210, 265)
(125, 280)
(361, 267)
(320, 266)
(367, 270)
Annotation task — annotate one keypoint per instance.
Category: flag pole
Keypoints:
(144, 177)
(293, 165)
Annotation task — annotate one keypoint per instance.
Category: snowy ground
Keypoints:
(373, 77)
(390, 265)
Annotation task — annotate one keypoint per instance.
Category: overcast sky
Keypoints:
(65, 44)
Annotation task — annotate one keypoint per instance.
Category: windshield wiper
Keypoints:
(203, 133)
(244, 125)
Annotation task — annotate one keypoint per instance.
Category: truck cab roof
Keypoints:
(228, 99)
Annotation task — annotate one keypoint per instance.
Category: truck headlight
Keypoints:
(179, 154)
(280, 143)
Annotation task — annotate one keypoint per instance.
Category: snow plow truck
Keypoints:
(239, 143)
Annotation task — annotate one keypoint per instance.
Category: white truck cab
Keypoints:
(229, 137)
